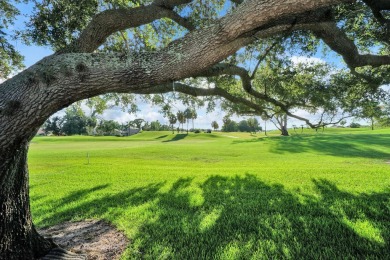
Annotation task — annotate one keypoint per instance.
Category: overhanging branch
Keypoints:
(110, 21)
(338, 41)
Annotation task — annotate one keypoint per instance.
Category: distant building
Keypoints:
(130, 131)
(133, 131)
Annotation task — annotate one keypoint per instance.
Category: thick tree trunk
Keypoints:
(283, 126)
(284, 131)
(18, 237)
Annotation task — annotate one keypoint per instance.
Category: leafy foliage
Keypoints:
(10, 60)
(358, 21)
(57, 23)
(214, 125)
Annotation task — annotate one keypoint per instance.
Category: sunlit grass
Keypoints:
(223, 195)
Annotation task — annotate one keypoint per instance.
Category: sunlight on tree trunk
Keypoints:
(15, 213)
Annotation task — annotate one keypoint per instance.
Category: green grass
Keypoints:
(223, 195)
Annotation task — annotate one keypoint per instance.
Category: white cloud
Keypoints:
(153, 116)
(386, 87)
(117, 115)
(306, 60)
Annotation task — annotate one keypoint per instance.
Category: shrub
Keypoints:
(354, 125)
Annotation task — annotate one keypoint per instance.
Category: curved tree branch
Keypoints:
(199, 92)
(171, 3)
(180, 20)
(110, 21)
(233, 25)
(338, 41)
(229, 69)
(257, 109)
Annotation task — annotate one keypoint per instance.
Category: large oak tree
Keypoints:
(201, 41)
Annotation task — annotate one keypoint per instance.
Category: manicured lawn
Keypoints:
(223, 195)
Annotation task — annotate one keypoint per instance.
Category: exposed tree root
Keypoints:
(62, 254)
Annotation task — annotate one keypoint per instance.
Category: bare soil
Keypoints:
(94, 238)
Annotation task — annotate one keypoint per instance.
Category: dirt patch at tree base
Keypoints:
(94, 238)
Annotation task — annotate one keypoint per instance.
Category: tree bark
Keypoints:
(18, 237)
(284, 131)
(284, 126)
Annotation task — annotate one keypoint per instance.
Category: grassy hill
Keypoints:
(223, 195)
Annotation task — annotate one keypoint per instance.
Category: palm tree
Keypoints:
(194, 115)
(172, 121)
(181, 118)
(188, 115)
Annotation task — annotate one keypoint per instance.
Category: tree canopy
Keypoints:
(237, 50)
(348, 29)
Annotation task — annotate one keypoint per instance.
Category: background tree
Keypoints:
(187, 115)
(181, 118)
(354, 125)
(243, 126)
(108, 127)
(137, 123)
(172, 120)
(155, 125)
(53, 125)
(229, 125)
(371, 107)
(372, 111)
(214, 125)
(253, 124)
(194, 116)
(384, 120)
(146, 126)
(91, 123)
(74, 121)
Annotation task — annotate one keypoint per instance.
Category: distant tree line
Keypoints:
(76, 122)
(251, 125)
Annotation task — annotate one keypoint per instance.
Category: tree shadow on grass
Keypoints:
(161, 137)
(68, 207)
(356, 145)
(365, 146)
(251, 140)
(243, 218)
(177, 137)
